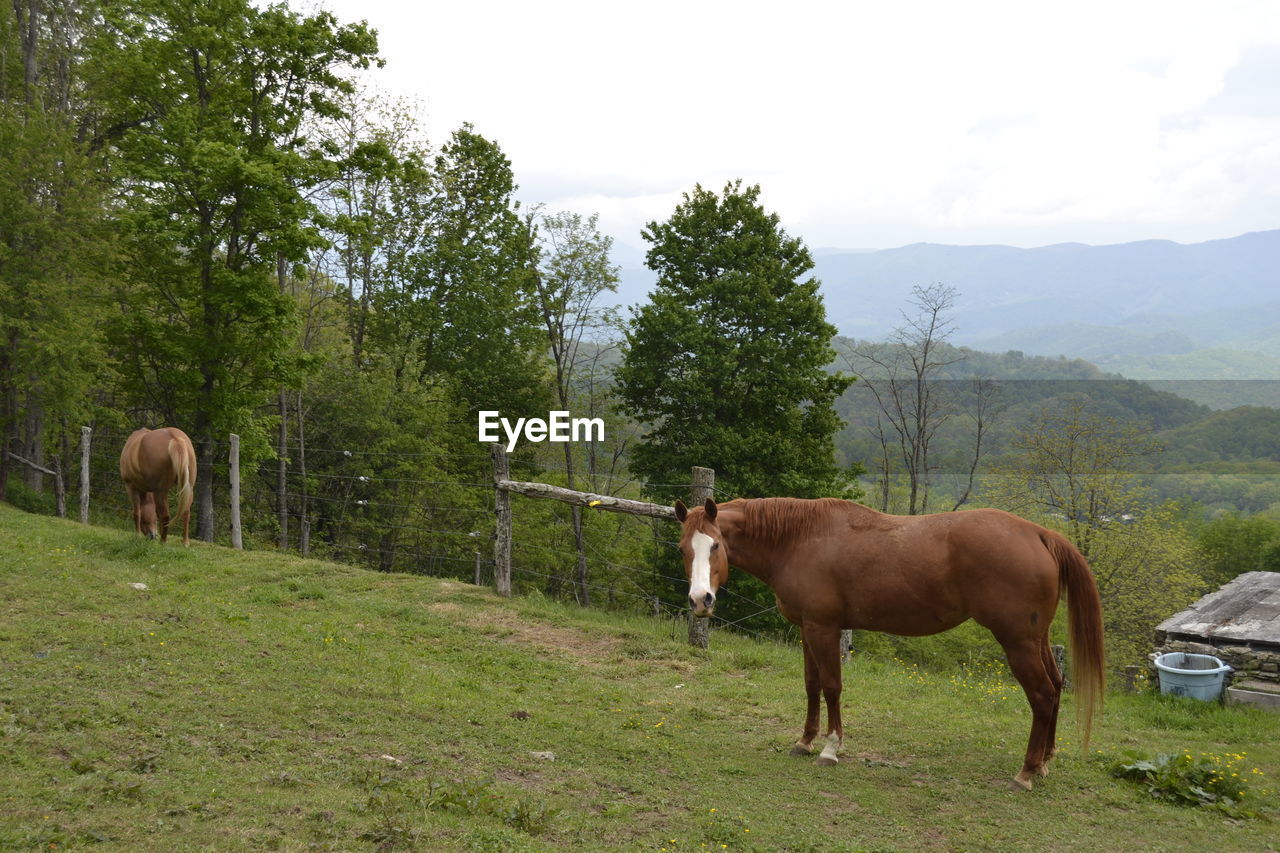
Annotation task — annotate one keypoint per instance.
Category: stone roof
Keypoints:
(1246, 610)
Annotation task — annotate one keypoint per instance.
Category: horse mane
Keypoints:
(780, 518)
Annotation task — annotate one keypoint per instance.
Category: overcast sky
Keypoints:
(867, 125)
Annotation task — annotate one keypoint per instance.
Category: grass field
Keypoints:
(257, 701)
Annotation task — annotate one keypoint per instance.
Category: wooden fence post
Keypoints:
(502, 516)
(1060, 657)
(86, 436)
(703, 487)
(237, 540)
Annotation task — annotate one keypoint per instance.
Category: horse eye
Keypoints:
(715, 546)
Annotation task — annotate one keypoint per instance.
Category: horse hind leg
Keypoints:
(1028, 667)
(1055, 677)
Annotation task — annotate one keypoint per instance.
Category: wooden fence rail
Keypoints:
(703, 487)
(59, 490)
(588, 499)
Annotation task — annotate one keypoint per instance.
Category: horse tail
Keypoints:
(1084, 622)
(184, 477)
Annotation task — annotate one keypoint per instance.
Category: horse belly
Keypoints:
(893, 606)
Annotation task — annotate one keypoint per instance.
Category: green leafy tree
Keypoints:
(54, 236)
(726, 366)
(376, 148)
(457, 304)
(1147, 570)
(204, 107)
(572, 273)
(727, 363)
(1235, 544)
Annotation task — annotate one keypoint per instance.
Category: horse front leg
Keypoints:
(813, 693)
(135, 508)
(162, 513)
(826, 652)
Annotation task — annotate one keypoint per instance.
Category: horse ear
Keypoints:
(682, 511)
(711, 509)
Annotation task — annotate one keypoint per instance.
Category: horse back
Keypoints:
(148, 461)
(917, 575)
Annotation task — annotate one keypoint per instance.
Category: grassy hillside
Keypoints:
(259, 701)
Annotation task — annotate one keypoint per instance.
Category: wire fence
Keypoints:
(432, 513)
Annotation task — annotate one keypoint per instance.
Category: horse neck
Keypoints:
(749, 553)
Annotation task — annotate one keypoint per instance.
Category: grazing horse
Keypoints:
(151, 463)
(835, 564)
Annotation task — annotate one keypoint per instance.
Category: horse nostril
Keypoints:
(708, 600)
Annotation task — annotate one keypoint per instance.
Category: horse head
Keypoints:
(706, 559)
(147, 522)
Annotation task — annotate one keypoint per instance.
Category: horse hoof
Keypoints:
(1020, 784)
(801, 749)
(827, 761)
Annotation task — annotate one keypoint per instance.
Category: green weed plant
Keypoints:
(1217, 781)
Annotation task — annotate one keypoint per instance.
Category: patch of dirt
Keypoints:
(518, 777)
(875, 759)
(573, 643)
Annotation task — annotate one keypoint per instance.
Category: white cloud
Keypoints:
(865, 124)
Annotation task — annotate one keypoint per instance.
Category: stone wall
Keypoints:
(1259, 664)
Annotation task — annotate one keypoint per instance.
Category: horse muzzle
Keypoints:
(702, 606)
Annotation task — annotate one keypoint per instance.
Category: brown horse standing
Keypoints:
(835, 564)
(151, 463)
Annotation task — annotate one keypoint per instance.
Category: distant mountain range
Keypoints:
(1148, 310)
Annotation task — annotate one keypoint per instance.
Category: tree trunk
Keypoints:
(304, 523)
(27, 31)
(584, 591)
(8, 410)
(204, 486)
(33, 443)
(282, 472)
(282, 446)
(580, 578)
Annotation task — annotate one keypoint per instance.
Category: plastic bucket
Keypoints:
(1197, 676)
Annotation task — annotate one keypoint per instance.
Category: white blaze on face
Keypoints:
(700, 572)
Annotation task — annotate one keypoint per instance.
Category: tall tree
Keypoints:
(912, 404)
(54, 233)
(458, 301)
(727, 363)
(573, 272)
(376, 147)
(204, 106)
